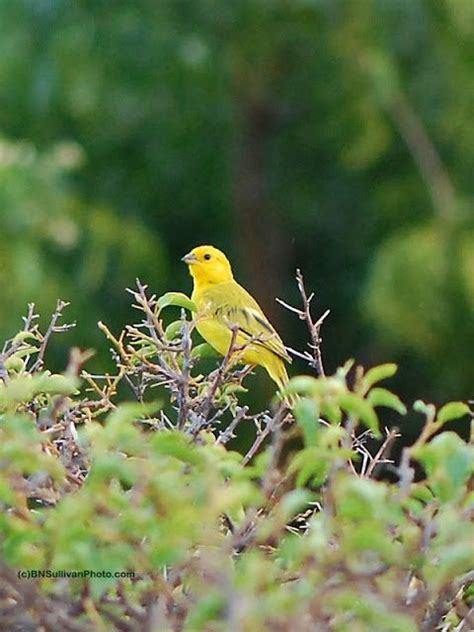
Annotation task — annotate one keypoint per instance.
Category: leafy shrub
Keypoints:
(172, 530)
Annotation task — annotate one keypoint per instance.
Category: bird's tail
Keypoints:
(279, 375)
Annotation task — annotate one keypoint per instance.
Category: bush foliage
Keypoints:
(129, 477)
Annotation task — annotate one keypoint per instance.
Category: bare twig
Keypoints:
(219, 374)
(226, 435)
(314, 358)
(406, 473)
(53, 327)
(271, 425)
(382, 453)
(424, 153)
(183, 384)
(13, 346)
(413, 131)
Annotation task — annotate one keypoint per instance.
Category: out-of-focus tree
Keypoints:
(331, 135)
(54, 244)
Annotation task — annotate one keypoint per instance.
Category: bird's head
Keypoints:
(208, 265)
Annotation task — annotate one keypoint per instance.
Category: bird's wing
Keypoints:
(232, 305)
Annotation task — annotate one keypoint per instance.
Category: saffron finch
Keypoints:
(224, 305)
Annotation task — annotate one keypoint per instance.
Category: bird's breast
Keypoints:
(213, 332)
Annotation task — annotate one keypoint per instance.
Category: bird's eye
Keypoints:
(207, 257)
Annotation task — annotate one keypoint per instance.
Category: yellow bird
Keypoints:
(224, 305)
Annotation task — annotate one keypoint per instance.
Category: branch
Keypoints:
(382, 453)
(219, 374)
(12, 346)
(226, 435)
(314, 359)
(52, 328)
(424, 153)
(273, 423)
(414, 133)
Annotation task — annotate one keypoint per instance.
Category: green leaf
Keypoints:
(302, 384)
(306, 413)
(449, 462)
(14, 363)
(331, 437)
(313, 464)
(344, 370)
(211, 606)
(452, 410)
(204, 351)
(109, 465)
(20, 389)
(309, 386)
(7, 493)
(26, 351)
(176, 299)
(24, 388)
(119, 431)
(379, 373)
(235, 388)
(295, 501)
(130, 411)
(57, 384)
(422, 407)
(25, 335)
(173, 330)
(360, 408)
(364, 499)
(422, 492)
(382, 397)
(21, 427)
(177, 445)
(310, 467)
(331, 411)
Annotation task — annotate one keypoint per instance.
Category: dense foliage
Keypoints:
(314, 527)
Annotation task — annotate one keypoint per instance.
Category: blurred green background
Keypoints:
(332, 135)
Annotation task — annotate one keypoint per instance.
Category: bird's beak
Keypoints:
(189, 258)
